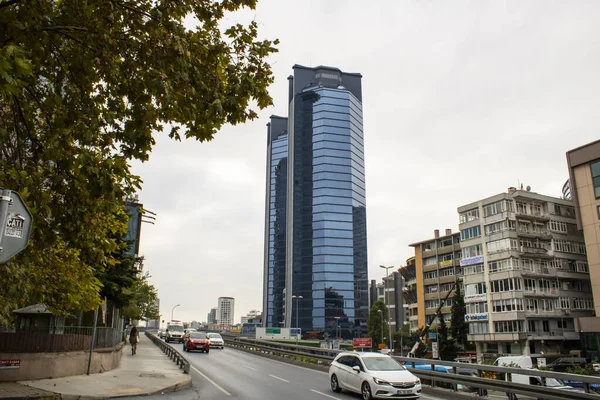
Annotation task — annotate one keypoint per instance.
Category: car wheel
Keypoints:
(366, 392)
(335, 386)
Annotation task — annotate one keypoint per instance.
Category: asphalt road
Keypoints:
(230, 374)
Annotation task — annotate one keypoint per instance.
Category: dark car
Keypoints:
(564, 363)
(196, 341)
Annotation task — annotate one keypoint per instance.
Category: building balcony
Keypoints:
(430, 267)
(534, 251)
(446, 249)
(497, 337)
(544, 314)
(542, 234)
(567, 273)
(554, 334)
(533, 216)
(413, 318)
(538, 271)
(550, 293)
(432, 281)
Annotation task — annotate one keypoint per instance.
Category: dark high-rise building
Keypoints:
(315, 204)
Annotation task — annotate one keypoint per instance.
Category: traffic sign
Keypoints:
(15, 224)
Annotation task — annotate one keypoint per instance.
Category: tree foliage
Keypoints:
(403, 337)
(84, 87)
(378, 322)
(446, 345)
(459, 328)
(142, 305)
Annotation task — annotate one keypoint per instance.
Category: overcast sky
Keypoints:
(461, 99)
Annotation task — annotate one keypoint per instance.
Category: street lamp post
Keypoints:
(384, 302)
(381, 318)
(174, 310)
(297, 312)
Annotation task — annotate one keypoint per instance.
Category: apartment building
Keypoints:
(525, 273)
(409, 273)
(584, 187)
(225, 311)
(390, 291)
(437, 268)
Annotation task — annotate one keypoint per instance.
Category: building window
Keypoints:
(494, 208)
(557, 226)
(564, 303)
(502, 245)
(475, 289)
(508, 326)
(430, 275)
(476, 308)
(507, 305)
(472, 251)
(508, 264)
(505, 285)
(478, 328)
(430, 261)
(469, 216)
(470, 233)
(596, 178)
(473, 269)
(567, 246)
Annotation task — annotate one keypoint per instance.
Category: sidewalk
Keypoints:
(149, 372)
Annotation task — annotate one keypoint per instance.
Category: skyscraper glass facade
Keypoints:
(326, 210)
(276, 200)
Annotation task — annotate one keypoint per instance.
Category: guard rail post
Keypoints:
(454, 385)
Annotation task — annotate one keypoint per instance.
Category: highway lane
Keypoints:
(231, 374)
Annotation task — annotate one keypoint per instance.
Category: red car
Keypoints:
(196, 341)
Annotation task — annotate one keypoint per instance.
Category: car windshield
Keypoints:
(214, 336)
(552, 382)
(382, 364)
(197, 335)
(176, 328)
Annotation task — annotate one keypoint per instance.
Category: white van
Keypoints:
(526, 362)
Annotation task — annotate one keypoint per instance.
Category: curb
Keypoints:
(169, 389)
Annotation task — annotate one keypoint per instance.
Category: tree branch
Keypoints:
(63, 28)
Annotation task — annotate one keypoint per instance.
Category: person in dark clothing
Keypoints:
(134, 338)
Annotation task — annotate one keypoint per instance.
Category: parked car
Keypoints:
(564, 363)
(216, 341)
(374, 375)
(196, 341)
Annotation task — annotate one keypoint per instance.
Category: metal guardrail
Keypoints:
(171, 352)
(278, 349)
(454, 379)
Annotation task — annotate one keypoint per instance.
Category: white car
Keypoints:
(216, 341)
(374, 375)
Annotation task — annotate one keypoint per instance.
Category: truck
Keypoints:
(174, 331)
(526, 362)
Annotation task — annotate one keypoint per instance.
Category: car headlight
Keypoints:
(380, 381)
(418, 381)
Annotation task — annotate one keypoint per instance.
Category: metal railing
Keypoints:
(506, 385)
(68, 338)
(171, 352)
(485, 379)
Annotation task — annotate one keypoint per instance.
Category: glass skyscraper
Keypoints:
(316, 206)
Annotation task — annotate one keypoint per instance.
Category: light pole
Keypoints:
(174, 310)
(297, 312)
(381, 318)
(384, 302)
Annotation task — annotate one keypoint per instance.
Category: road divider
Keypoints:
(171, 352)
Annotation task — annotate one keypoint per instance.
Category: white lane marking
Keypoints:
(215, 384)
(249, 367)
(281, 379)
(323, 394)
(288, 364)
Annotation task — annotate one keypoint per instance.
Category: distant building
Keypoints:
(437, 267)
(251, 315)
(249, 327)
(212, 316)
(225, 311)
(409, 273)
(134, 208)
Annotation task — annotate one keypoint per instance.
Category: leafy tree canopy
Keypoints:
(84, 87)
(143, 300)
(375, 321)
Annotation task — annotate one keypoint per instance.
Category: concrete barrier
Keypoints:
(55, 365)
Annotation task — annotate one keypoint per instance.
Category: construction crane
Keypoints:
(425, 329)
